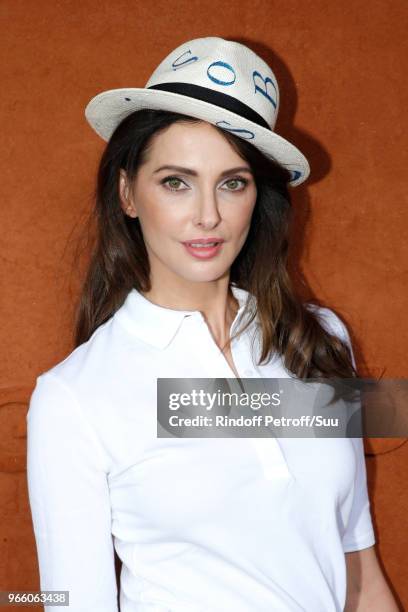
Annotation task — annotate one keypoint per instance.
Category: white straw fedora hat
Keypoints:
(220, 81)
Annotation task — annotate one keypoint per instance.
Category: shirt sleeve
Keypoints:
(69, 499)
(359, 531)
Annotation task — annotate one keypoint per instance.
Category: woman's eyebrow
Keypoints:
(195, 173)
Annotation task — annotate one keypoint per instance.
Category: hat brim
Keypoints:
(106, 110)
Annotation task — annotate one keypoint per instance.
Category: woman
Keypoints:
(217, 524)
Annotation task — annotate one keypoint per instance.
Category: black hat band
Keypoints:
(214, 97)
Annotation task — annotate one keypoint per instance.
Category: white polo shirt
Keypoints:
(200, 524)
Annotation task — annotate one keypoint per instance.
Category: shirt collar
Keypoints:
(157, 325)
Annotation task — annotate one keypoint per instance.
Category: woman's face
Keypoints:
(203, 198)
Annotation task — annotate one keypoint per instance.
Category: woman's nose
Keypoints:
(206, 211)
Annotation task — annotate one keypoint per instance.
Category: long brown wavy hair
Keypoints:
(119, 259)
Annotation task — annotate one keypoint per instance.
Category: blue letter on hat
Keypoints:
(190, 59)
(266, 81)
(241, 132)
(217, 80)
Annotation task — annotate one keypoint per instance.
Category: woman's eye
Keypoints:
(173, 183)
(236, 181)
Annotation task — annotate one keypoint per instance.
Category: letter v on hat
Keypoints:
(220, 81)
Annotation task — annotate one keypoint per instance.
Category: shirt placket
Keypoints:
(268, 450)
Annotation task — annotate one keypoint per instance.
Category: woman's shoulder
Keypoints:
(330, 320)
(82, 378)
(92, 361)
(84, 356)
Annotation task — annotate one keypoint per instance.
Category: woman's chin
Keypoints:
(212, 273)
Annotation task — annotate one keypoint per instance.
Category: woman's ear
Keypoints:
(125, 201)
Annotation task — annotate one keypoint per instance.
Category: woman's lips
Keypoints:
(203, 252)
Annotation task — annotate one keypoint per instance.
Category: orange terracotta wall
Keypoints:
(341, 67)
